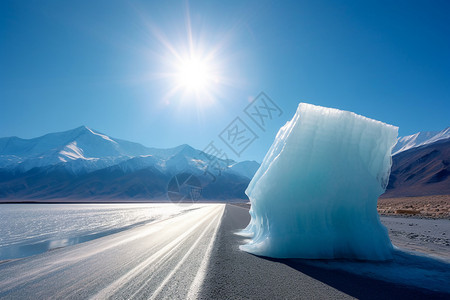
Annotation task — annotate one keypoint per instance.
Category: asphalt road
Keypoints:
(161, 260)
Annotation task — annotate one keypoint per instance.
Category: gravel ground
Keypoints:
(437, 207)
(430, 236)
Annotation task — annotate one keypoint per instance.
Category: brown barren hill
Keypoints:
(421, 171)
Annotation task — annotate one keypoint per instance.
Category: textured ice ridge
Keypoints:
(315, 194)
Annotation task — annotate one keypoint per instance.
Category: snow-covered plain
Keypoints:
(28, 229)
(315, 194)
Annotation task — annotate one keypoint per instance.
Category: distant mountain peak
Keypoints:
(103, 136)
(86, 130)
(419, 139)
(420, 171)
(183, 147)
(81, 128)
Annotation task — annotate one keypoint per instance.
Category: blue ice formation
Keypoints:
(315, 194)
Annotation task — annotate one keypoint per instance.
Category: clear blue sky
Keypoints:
(104, 64)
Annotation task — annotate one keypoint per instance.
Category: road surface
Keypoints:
(161, 260)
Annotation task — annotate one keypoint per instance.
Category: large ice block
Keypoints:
(315, 194)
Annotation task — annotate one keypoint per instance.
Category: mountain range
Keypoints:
(420, 139)
(85, 165)
(421, 171)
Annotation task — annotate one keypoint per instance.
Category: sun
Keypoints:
(194, 68)
(194, 74)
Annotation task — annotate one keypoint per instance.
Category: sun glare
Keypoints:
(194, 74)
(193, 67)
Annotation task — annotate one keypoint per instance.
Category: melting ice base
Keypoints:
(315, 194)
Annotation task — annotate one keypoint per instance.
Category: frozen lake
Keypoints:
(29, 229)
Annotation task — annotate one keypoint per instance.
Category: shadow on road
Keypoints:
(406, 276)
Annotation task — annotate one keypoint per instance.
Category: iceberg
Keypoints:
(315, 193)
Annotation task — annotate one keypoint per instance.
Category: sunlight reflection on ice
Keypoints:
(29, 229)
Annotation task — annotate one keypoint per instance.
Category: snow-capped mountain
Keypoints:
(80, 149)
(420, 165)
(83, 163)
(85, 150)
(246, 168)
(421, 171)
(420, 139)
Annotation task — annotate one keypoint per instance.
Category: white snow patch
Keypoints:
(102, 136)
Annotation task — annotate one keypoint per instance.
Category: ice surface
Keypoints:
(315, 194)
(28, 229)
